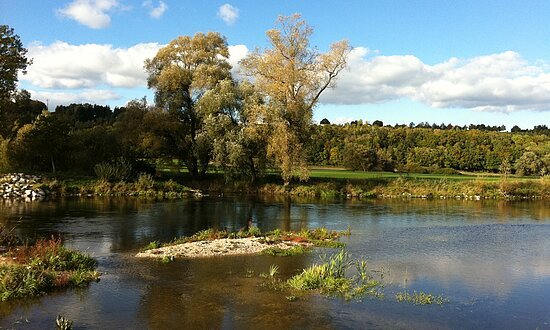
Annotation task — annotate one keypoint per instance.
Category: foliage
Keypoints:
(117, 170)
(279, 252)
(13, 60)
(420, 298)
(63, 323)
(45, 265)
(329, 277)
(292, 75)
(152, 245)
(181, 73)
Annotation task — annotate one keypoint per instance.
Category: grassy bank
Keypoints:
(29, 270)
(323, 183)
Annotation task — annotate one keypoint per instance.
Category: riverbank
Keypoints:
(404, 186)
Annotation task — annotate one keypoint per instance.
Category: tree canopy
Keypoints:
(12, 60)
(292, 75)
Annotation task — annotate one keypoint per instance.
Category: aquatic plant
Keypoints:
(167, 259)
(330, 278)
(280, 252)
(38, 268)
(63, 323)
(152, 245)
(273, 271)
(420, 298)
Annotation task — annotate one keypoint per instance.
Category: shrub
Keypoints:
(144, 182)
(117, 170)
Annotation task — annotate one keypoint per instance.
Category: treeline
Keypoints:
(412, 149)
(77, 137)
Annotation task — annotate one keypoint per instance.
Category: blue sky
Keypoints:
(455, 62)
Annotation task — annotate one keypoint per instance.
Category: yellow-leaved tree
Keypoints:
(292, 75)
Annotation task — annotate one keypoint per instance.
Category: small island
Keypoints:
(212, 242)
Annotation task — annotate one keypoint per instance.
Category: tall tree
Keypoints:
(293, 75)
(181, 73)
(12, 60)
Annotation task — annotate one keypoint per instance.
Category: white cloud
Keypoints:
(54, 99)
(91, 13)
(155, 12)
(61, 65)
(228, 13)
(499, 82)
(237, 53)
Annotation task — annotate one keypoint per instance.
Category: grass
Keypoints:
(33, 270)
(330, 278)
(332, 173)
(420, 298)
(293, 251)
(321, 237)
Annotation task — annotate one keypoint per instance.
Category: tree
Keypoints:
(181, 73)
(235, 128)
(12, 60)
(292, 75)
(529, 164)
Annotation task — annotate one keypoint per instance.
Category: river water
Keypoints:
(490, 259)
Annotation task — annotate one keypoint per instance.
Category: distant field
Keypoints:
(337, 173)
(320, 172)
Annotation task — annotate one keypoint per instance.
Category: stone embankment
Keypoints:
(19, 186)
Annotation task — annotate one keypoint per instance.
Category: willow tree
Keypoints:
(181, 73)
(293, 75)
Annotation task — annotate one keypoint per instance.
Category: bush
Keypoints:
(118, 170)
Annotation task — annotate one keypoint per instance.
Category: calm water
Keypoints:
(491, 259)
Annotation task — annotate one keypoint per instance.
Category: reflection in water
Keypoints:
(492, 259)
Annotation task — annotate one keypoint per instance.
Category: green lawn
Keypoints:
(360, 175)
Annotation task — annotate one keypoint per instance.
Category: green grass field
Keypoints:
(317, 172)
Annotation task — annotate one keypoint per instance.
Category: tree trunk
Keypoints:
(53, 165)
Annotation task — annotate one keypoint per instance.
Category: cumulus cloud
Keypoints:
(87, 96)
(228, 13)
(237, 53)
(498, 82)
(155, 12)
(61, 65)
(91, 13)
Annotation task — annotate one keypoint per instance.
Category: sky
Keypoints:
(459, 62)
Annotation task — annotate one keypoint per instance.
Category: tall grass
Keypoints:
(43, 266)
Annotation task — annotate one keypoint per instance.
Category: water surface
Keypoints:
(490, 259)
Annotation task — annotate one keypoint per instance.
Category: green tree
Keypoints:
(12, 60)
(181, 73)
(235, 129)
(292, 75)
(529, 164)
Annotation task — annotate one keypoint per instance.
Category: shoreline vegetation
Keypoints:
(33, 269)
(324, 183)
(212, 242)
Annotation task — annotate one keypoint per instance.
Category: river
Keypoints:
(490, 259)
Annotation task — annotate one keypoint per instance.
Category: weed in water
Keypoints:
(63, 323)
(273, 271)
(167, 259)
(420, 298)
(291, 298)
(152, 245)
(280, 252)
